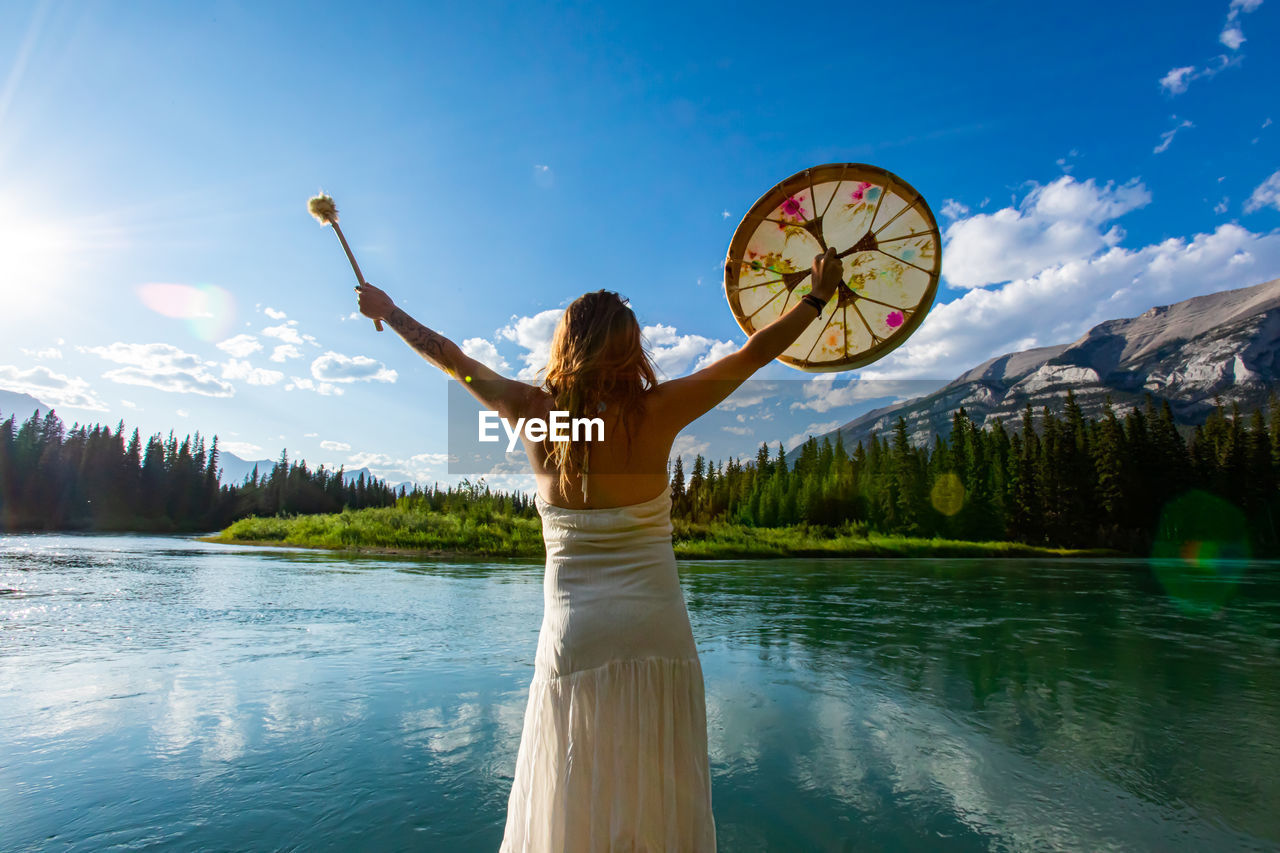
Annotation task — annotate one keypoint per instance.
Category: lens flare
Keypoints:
(948, 494)
(1201, 551)
(208, 309)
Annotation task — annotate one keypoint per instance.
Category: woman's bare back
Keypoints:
(619, 474)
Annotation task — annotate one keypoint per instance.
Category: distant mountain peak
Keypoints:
(1220, 346)
(19, 406)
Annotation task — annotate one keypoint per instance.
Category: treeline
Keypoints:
(93, 477)
(1062, 480)
(469, 500)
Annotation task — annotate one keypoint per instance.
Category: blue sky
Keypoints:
(493, 161)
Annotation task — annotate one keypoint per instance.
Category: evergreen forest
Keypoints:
(96, 478)
(1059, 479)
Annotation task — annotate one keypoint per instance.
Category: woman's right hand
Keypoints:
(374, 303)
(827, 273)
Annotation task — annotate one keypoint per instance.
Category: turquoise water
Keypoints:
(160, 693)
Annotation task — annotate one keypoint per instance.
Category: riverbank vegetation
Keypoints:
(491, 527)
(1059, 483)
(1062, 484)
(467, 519)
(1060, 480)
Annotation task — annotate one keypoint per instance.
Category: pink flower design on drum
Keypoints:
(794, 208)
(859, 191)
(894, 319)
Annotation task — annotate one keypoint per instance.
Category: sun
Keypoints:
(34, 258)
(45, 259)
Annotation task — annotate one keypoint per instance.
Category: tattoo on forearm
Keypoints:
(433, 346)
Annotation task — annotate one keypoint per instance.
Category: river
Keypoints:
(164, 693)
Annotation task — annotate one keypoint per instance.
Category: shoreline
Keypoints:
(700, 550)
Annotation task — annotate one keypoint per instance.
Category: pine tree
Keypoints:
(677, 486)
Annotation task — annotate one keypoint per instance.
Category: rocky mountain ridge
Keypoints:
(1221, 346)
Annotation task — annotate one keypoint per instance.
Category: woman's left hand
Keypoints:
(374, 303)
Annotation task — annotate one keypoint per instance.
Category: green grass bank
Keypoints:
(489, 534)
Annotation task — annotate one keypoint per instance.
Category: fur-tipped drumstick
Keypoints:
(326, 213)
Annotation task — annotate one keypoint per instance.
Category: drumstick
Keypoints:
(325, 211)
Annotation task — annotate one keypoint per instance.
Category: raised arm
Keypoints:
(507, 397)
(684, 400)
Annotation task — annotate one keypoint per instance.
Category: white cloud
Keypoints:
(430, 458)
(163, 367)
(273, 313)
(1166, 138)
(156, 356)
(362, 460)
(953, 209)
(1265, 194)
(673, 352)
(53, 389)
(302, 383)
(336, 367)
(1232, 36)
(129, 404)
(483, 351)
(335, 445)
(688, 446)
(284, 352)
(737, 430)
(1058, 304)
(823, 393)
(717, 351)
(243, 449)
(815, 430)
(1055, 223)
(543, 176)
(241, 346)
(47, 353)
(182, 413)
(1221, 207)
(533, 334)
(286, 332)
(1177, 80)
(237, 370)
(1064, 163)
(419, 468)
(748, 395)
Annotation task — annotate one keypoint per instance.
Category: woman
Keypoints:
(613, 754)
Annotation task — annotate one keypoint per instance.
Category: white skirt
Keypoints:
(613, 753)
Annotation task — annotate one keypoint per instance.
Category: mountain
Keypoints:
(234, 470)
(19, 405)
(1221, 346)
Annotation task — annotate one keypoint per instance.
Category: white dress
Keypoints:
(613, 755)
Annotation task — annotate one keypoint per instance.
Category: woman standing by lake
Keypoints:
(613, 754)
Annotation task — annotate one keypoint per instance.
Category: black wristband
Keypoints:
(814, 301)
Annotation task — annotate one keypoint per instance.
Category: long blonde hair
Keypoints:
(598, 361)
